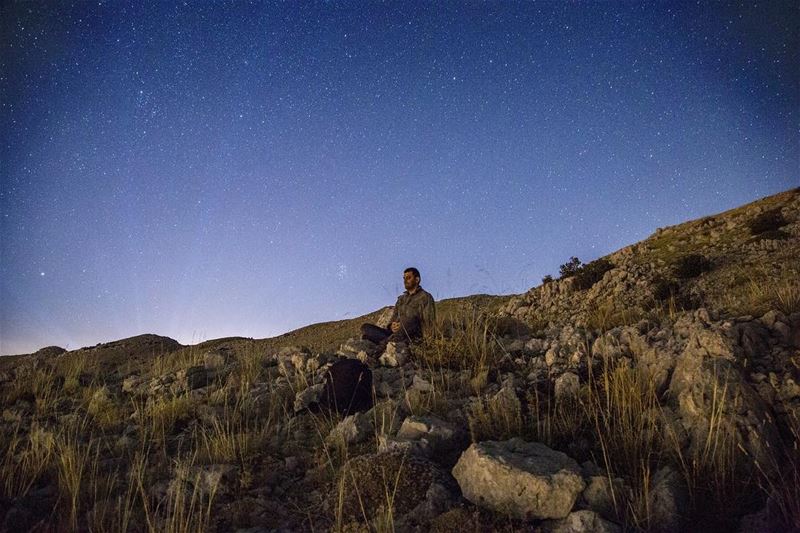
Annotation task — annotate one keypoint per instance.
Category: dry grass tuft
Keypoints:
(496, 418)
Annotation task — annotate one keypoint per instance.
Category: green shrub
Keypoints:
(570, 268)
(691, 266)
(591, 273)
(547, 279)
(767, 221)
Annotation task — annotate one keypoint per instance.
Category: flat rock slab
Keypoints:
(524, 480)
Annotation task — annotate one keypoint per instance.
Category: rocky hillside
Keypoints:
(655, 389)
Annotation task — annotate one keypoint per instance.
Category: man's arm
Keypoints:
(395, 314)
(428, 316)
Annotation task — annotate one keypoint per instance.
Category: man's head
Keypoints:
(411, 279)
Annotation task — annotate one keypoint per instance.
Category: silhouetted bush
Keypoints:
(591, 273)
(506, 325)
(547, 279)
(773, 234)
(664, 288)
(570, 268)
(691, 266)
(767, 221)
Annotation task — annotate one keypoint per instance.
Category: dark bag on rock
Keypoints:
(348, 387)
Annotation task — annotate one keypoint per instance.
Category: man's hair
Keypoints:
(413, 271)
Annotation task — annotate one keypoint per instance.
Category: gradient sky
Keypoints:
(209, 169)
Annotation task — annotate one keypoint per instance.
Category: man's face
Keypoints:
(410, 281)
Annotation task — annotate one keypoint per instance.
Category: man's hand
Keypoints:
(395, 327)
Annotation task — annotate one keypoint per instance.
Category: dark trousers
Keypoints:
(375, 334)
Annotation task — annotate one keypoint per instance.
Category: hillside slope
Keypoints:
(654, 389)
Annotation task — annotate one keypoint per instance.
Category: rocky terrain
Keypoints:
(654, 389)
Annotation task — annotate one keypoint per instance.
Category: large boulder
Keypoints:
(713, 399)
(524, 480)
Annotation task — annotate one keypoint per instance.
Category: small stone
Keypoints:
(353, 429)
(396, 354)
(308, 396)
(550, 356)
(421, 385)
(599, 494)
(584, 521)
(567, 386)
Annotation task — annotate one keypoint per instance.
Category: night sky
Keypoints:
(229, 168)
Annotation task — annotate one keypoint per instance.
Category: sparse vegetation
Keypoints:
(770, 220)
(570, 268)
(591, 273)
(585, 275)
(664, 288)
(463, 340)
(691, 265)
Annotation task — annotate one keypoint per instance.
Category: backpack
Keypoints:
(348, 387)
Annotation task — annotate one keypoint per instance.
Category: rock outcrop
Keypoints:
(525, 480)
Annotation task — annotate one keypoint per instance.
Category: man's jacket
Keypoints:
(415, 312)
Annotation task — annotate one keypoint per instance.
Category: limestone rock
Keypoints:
(432, 436)
(582, 522)
(421, 385)
(205, 480)
(352, 429)
(712, 395)
(396, 354)
(525, 480)
(567, 386)
(308, 396)
(600, 494)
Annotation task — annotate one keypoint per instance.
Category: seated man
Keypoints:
(413, 313)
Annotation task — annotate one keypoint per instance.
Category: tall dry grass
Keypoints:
(26, 459)
(464, 340)
(756, 291)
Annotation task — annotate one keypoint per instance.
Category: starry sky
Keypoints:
(210, 169)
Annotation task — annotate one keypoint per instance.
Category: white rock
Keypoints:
(396, 354)
(353, 429)
(525, 480)
(551, 356)
(582, 522)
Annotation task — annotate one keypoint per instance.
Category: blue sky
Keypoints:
(231, 168)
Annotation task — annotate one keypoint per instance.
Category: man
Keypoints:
(414, 313)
